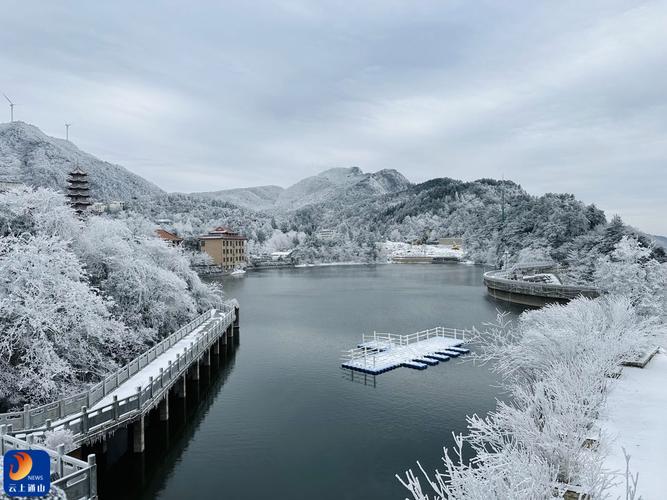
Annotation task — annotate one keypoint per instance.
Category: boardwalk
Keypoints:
(126, 396)
(123, 399)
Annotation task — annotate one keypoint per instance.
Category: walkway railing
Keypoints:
(498, 280)
(88, 424)
(76, 478)
(386, 341)
(34, 417)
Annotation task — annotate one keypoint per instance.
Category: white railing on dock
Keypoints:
(76, 478)
(372, 343)
(81, 421)
(401, 340)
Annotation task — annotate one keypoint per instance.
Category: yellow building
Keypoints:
(227, 248)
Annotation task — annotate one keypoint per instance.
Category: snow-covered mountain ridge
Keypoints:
(258, 198)
(323, 187)
(30, 156)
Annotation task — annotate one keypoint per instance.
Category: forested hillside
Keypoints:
(498, 220)
(30, 156)
(63, 278)
(79, 298)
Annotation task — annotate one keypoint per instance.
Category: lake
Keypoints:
(280, 419)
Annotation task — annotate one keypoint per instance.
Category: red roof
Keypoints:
(166, 235)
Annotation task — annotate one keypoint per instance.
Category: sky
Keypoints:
(565, 96)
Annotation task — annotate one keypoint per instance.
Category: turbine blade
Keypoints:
(8, 100)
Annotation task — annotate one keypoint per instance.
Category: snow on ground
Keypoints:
(543, 278)
(399, 249)
(142, 378)
(635, 417)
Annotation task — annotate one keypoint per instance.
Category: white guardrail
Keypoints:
(41, 416)
(88, 424)
(76, 478)
(387, 341)
(499, 280)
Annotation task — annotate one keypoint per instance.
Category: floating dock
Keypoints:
(380, 352)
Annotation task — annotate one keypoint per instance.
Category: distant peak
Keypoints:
(341, 170)
(389, 171)
(20, 126)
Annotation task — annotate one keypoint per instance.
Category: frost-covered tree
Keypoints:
(554, 366)
(53, 439)
(530, 255)
(152, 285)
(24, 210)
(631, 272)
(78, 297)
(55, 330)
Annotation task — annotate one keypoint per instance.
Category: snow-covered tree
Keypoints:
(24, 210)
(531, 255)
(554, 365)
(78, 297)
(55, 330)
(631, 272)
(152, 285)
(53, 439)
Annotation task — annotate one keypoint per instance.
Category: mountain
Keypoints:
(257, 198)
(496, 219)
(660, 240)
(330, 185)
(29, 156)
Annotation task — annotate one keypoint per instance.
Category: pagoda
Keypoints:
(78, 191)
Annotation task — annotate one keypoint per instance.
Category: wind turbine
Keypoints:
(67, 125)
(11, 108)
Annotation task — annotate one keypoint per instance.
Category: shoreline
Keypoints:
(355, 263)
(331, 264)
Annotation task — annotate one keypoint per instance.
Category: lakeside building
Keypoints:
(170, 238)
(226, 247)
(272, 260)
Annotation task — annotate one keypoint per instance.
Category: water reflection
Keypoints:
(127, 475)
(286, 422)
(359, 378)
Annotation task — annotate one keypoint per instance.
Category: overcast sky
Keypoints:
(558, 96)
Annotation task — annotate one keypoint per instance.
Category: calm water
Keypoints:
(279, 418)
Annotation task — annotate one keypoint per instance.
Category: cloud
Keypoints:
(559, 97)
